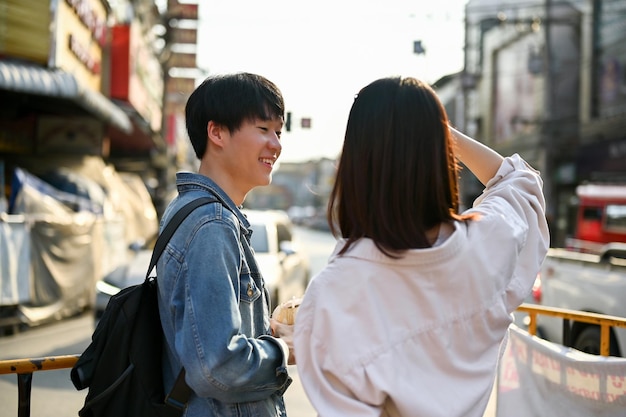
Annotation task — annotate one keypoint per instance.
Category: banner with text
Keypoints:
(537, 378)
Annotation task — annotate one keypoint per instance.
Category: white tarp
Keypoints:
(537, 378)
(62, 241)
(14, 260)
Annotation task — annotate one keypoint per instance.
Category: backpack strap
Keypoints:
(171, 227)
(179, 395)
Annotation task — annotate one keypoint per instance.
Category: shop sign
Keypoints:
(83, 55)
(24, 30)
(182, 60)
(136, 73)
(77, 39)
(88, 16)
(184, 35)
(178, 89)
(185, 11)
(75, 135)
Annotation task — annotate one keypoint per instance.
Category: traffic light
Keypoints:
(288, 122)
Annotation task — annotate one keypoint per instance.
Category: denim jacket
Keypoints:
(214, 310)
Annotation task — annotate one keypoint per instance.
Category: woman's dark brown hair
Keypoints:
(397, 175)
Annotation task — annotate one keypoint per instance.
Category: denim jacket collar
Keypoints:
(192, 185)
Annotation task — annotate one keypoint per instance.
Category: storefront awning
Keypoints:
(32, 79)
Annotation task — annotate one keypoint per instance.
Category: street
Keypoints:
(53, 394)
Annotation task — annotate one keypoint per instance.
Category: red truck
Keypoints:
(601, 217)
(589, 274)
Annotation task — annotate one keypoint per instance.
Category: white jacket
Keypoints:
(422, 335)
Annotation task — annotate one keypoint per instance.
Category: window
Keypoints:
(259, 238)
(592, 213)
(616, 217)
(283, 232)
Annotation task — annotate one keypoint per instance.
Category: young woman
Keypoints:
(409, 316)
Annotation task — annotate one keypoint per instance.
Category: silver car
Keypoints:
(285, 270)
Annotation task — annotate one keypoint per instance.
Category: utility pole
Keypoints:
(547, 126)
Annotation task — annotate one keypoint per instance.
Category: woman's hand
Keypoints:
(285, 333)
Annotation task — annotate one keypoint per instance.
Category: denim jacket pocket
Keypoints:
(249, 291)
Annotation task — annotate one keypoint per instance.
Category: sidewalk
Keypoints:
(491, 407)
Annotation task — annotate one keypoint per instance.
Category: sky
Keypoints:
(321, 53)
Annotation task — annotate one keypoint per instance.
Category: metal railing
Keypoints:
(24, 368)
(604, 321)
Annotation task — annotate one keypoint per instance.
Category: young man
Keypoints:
(212, 300)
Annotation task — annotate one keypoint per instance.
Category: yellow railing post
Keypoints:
(532, 325)
(605, 344)
(604, 321)
(24, 369)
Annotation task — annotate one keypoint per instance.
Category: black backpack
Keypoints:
(122, 365)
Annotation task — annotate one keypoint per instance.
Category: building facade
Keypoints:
(85, 151)
(547, 79)
(92, 78)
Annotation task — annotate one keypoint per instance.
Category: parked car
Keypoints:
(589, 274)
(285, 270)
(594, 283)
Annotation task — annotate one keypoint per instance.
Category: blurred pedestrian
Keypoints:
(213, 303)
(409, 316)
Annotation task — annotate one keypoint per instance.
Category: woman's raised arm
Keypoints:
(477, 157)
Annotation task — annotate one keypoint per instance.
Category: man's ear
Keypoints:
(215, 133)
